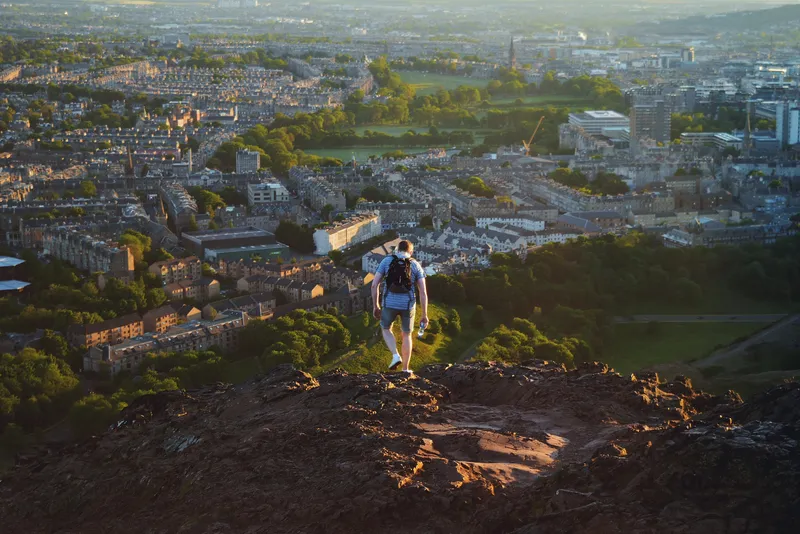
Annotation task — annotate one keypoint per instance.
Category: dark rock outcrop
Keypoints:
(475, 448)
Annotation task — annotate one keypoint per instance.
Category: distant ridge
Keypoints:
(731, 22)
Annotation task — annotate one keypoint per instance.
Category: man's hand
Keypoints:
(376, 312)
(424, 319)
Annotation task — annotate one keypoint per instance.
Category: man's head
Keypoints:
(405, 246)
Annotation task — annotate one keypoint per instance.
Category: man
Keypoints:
(398, 276)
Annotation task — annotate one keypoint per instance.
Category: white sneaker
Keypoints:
(396, 360)
(408, 372)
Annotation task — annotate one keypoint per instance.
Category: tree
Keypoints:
(326, 211)
(478, 319)
(88, 189)
(92, 415)
(434, 327)
(337, 256)
(192, 224)
(453, 323)
(426, 222)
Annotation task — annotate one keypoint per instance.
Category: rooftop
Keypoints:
(600, 114)
(7, 261)
(226, 233)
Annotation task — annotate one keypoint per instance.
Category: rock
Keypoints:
(477, 448)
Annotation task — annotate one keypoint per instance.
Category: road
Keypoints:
(790, 321)
(750, 318)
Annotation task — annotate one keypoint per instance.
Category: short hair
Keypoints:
(405, 246)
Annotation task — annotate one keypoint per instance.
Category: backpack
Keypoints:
(398, 277)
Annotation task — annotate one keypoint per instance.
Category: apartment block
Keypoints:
(406, 214)
(305, 271)
(247, 161)
(86, 252)
(203, 289)
(110, 332)
(347, 233)
(223, 332)
(319, 193)
(178, 269)
(160, 320)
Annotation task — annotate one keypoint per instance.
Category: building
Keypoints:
(347, 233)
(320, 193)
(247, 161)
(110, 332)
(233, 243)
(687, 54)
(256, 306)
(522, 221)
(264, 192)
(347, 300)
(498, 241)
(406, 214)
(161, 319)
(177, 270)
(651, 118)
(93, 254)
(787, 123)
(203, 289)
(735, 235)
(512, 56)
(181, 206)
(222, 332)
(593, 122)
(186, 312)
(719, 140)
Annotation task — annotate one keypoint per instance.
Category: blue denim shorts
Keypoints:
(388, 316)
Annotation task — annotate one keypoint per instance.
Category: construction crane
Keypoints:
(530, 141)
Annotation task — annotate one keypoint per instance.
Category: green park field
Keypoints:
(638, 346)
(427, 83)
(361, 153)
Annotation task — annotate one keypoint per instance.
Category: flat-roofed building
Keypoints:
(265, 192)
(594, 122)
(349, 232)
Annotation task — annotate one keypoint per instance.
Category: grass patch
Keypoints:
(242, 370)
(361, 153)
(640, 346)
(372, 356)
(425, 83)
(478, 133)
(717, 300)
(543, 100)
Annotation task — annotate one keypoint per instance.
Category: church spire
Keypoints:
(512, 56)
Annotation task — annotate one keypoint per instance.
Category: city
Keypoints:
(195, 194)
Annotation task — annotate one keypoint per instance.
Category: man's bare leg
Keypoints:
(406, 354)
(389, 339)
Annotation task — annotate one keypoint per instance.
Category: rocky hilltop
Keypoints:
(475, 448)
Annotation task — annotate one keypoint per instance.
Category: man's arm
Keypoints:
(376, 290)
(423, 299)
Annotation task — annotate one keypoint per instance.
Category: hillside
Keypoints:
(472, 448)
(733, 22)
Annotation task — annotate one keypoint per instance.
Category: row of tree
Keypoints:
(604, 183)
(564, 287)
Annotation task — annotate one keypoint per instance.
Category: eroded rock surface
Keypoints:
(476, 448)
